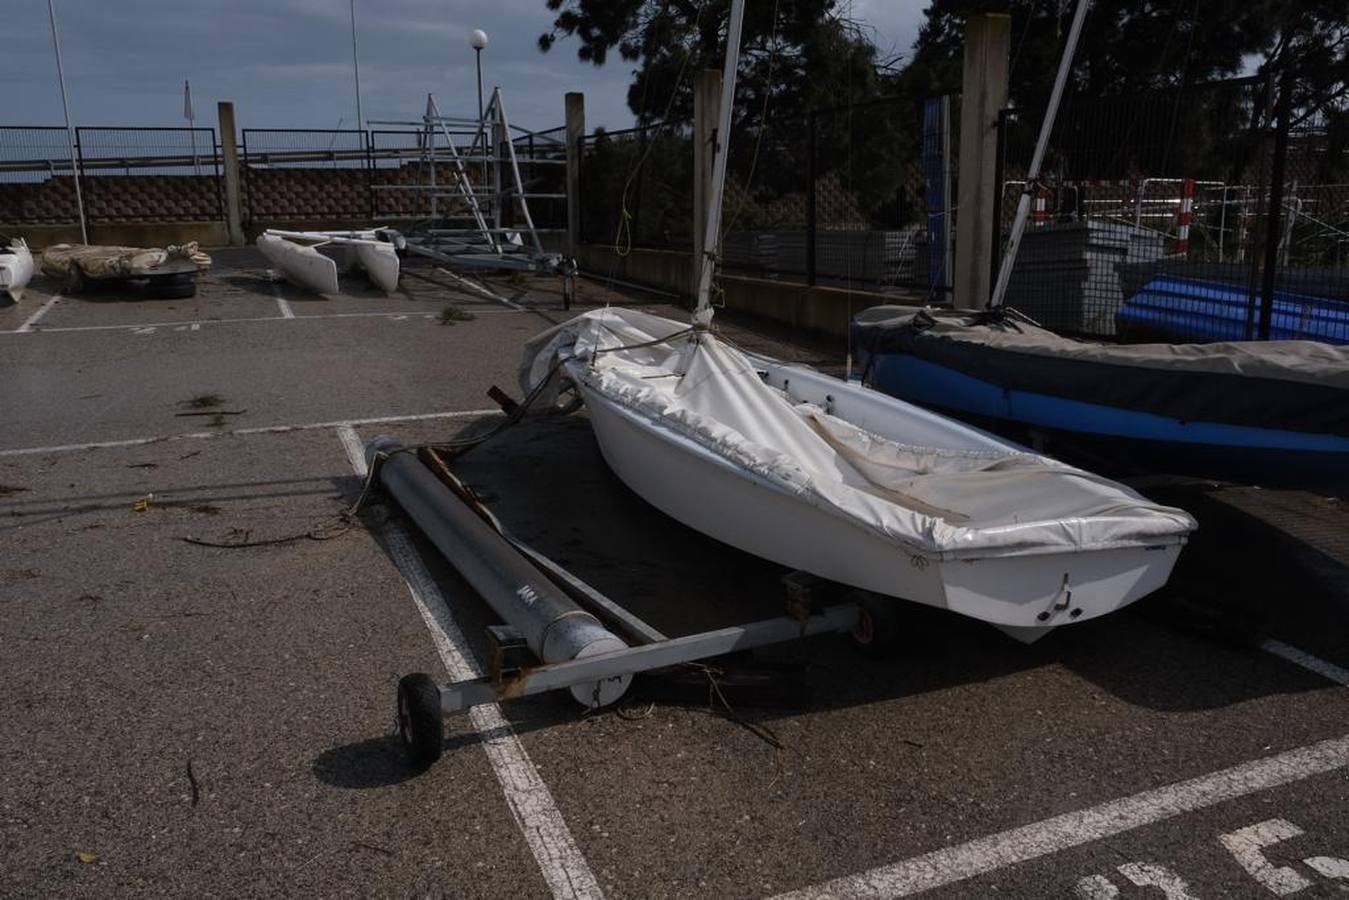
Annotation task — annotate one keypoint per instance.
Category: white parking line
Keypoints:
(32, 320)
(1307, 661)
(281, 303)
(262, 429)
(148, 327)
(1017, 845)
(560, 861)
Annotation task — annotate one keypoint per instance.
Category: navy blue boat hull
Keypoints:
(1135, 441)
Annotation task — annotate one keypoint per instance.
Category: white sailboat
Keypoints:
(295, 256)
(843, 482)
(16, 268)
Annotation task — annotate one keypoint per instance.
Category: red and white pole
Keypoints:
(1183, 220)
(1039, 217)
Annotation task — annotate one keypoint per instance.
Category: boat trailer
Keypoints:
(560, 632)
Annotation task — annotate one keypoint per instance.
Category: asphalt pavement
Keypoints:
(179, 717)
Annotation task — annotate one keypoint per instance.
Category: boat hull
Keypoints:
(380, 262)
(16, 269)
(1134, 440)
(302, 266)
(733, 505)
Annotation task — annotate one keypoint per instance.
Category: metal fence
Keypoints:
(300, 176)
(1210, 212)
(847, 196)
(126, 175)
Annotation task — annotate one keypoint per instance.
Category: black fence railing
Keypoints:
(847, 196)
(297, 176)
(1209, 212)
(126, 175)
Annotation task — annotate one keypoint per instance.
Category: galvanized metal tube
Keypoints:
(554, 627)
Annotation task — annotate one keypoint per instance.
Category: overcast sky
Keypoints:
(287, 63)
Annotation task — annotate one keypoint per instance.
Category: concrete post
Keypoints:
(575, 103)
(230, 150)
(706, 110)
(983, 94)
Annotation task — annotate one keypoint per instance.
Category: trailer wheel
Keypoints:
(73, 281)
(877, 631)
(421, 725)
(171, 287)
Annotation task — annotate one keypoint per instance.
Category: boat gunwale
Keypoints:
(640, 417)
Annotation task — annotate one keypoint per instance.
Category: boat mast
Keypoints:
(1041, 143)
(702, 314)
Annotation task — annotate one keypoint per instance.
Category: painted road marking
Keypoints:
(281, 303)
(147, 327)
(1028, 842)
(560, 860)
(1247, 846)
(32, 320)
(261, 429)
(1307, 661)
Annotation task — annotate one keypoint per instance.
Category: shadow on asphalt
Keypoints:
(546, 481)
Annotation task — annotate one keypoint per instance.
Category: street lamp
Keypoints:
(478, 40)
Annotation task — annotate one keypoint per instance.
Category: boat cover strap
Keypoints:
(1290, 385)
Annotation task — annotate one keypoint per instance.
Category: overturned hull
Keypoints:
(295, 256)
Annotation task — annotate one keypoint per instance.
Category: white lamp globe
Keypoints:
(478, 39)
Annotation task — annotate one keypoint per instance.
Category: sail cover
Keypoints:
(1291, 385)
(979, 496)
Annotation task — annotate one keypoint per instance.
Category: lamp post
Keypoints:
(478, 40)
(356, 68)
(70, 131)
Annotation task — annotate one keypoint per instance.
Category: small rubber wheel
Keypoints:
(877, 631)
(421, 726)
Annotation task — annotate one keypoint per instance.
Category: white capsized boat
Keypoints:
(815, 473)
(16, 268)
(296, 257)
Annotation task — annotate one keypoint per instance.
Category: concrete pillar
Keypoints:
(576, 128)
(706, 110)
(230, 149)
(983, 94)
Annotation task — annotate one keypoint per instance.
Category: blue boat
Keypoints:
(1191, 309)
(1271, 413)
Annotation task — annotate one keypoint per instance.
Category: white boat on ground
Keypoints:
(16, 268)
(843, 482)
(815, 473)
(295, 256)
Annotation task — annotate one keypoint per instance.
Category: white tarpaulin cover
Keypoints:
(977, 497)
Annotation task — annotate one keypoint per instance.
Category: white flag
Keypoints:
(187, 102)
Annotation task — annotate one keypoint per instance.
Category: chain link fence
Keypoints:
(1191, 214)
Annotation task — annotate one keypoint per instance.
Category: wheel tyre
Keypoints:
(173, 287)
(73, 282)
(421, 726)
(877, 631)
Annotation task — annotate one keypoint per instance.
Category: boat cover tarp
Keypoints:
(98, 262)
(1290, 385)
(942, 502)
